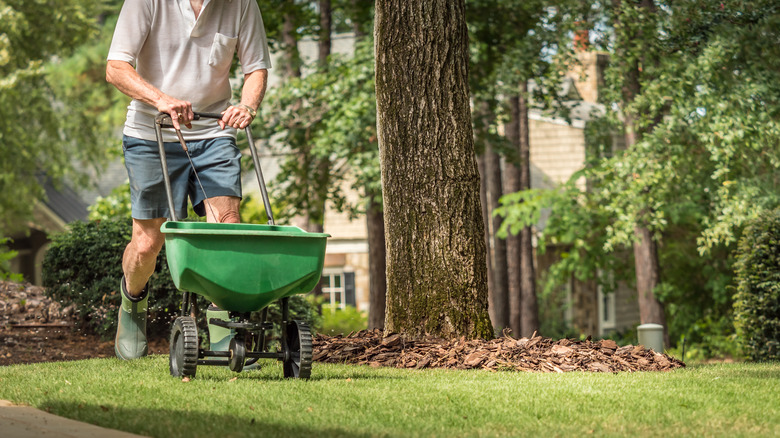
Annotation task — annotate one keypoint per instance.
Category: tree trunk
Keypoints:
(647, 267)
(325, 29)
(513, 244)
(291, 58)
(488, 258)
(647, 277)
(436, 270)
(356, 22)
(496, 248)
(497, 245)
(291, 68)
(375, 221)
(316, 215)
(530, 311)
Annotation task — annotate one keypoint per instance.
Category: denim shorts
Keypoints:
(217, 161)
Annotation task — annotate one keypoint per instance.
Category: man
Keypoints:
(174, 57)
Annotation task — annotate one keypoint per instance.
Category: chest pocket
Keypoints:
(222, 50)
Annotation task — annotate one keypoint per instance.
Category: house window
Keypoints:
(338, 288)
(606, 308)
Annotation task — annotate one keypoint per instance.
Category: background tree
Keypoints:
(511, 44)
(38, 134)
(436, 271)
(329, 117)
(705, 163)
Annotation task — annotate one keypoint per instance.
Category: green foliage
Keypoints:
(83, 266)
(342, 321)
(6, 256)
(114, 206)
(757, 302)
(326, 123)
(35, 38)
(705, 162)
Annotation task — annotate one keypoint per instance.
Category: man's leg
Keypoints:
(138, 263)
(141, 253)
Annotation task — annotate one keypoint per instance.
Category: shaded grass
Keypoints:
(355, 401)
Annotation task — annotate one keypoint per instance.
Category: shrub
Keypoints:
(757, 301)
(342, 321)
(83, 266)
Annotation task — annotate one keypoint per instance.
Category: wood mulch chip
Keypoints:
(370, 347)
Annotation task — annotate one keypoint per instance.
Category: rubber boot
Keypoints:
(219, 337)
(131, 327)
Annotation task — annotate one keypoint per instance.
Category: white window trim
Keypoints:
(606, 310)
(332, 291)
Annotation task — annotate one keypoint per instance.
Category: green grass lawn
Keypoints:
(358, 401)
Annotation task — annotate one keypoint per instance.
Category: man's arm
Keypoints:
(252, 94)
(123, 76)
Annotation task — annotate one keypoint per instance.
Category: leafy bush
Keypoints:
(757, 301)
(6, 255)
(114, 206)
(84, 267)
(342, 321)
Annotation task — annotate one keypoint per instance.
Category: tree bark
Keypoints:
(488, 257)
(530, 310)
(497, 245)
(291, 57)
(434, 230)
(375, 222)
(513, 243)
(647, 277)
(496, 248)
(325, 30)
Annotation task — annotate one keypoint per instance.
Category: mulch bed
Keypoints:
(506, 353)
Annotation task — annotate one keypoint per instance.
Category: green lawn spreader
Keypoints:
(241, 268)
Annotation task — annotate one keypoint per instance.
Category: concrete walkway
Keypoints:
(27, 422)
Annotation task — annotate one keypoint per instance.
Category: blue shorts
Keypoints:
(217, 161)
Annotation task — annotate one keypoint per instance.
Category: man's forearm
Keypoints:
(123, 76)
(253, 91)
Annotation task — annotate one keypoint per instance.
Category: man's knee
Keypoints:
(146, 246)
(147, 240)
(224, 209)
(230, 217)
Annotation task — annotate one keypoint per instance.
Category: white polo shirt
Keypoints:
(186, 58)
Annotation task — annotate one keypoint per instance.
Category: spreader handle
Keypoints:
(163, 120)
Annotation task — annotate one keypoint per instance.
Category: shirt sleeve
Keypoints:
(252, 42)
(132, 29)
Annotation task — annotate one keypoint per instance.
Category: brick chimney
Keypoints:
(589, 74)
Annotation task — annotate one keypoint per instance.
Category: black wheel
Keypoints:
(237, 353)
(184, 347)
(299, 345)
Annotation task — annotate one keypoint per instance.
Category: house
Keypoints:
(61, 206)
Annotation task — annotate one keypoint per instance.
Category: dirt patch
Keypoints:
(34, 328)
(526, 354)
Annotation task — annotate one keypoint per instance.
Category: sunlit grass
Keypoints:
(340, 400)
